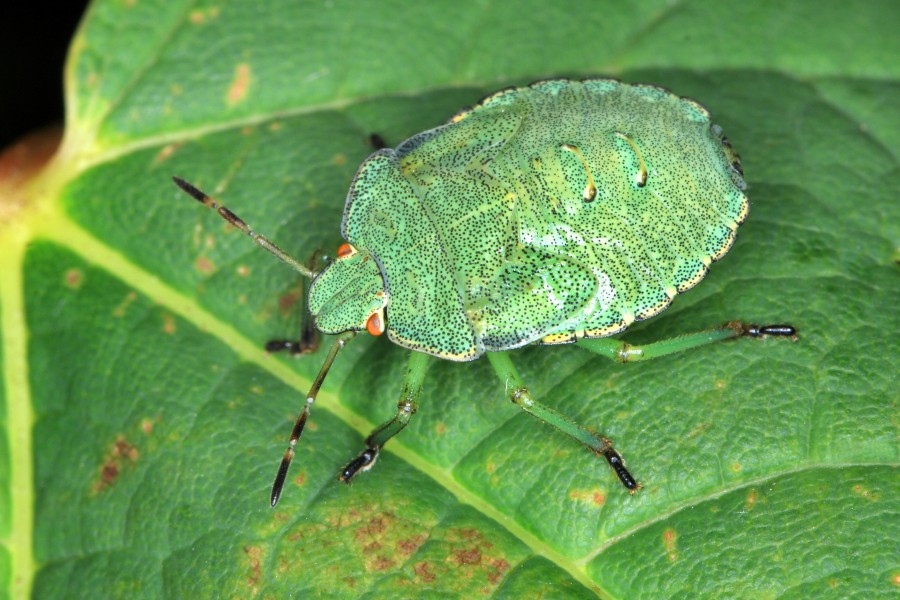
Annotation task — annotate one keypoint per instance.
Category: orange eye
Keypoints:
(375, 324)
(344, 250)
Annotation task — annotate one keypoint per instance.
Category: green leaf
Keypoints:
(141, 422)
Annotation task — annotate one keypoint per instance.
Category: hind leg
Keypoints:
(621, 351)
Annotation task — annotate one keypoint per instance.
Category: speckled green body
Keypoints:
(547, 213)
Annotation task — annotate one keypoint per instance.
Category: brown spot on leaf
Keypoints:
(202, 15)
(168, 324)
(866, 493)
(736, 467)
(474, 557)
(239, 85)
(424, 571)
(500, 567)
(288, 300)
(751, 500)
(339, 159)
(125, 450)
(471, 556)
(74, 278)
(440, 429)
(382, 563)
(254, 554)
(108, 473)
(120, 455)
(595, 497)
(374, 535)
(408, 546)
(243, 270)
(669, 539)
(204, 265)
(374, 526)
(147, 426)
(166, 151)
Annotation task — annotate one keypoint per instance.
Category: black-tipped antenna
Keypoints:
(297, 431)
(235, 220)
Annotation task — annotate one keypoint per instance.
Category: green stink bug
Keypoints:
(560, 212)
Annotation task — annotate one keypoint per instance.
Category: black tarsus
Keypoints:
(376, 141)
(363, 462)
(618, 465)
(780, 330)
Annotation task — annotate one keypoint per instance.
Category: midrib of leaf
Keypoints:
(20, 416)
(60, 230)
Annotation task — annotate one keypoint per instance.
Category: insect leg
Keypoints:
(406, 408)
(297, 431)
(376, 141)
(225, 213)
(308, 341)
(621, 351)
(520, 395)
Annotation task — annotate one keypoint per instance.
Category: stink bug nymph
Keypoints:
(556, 213)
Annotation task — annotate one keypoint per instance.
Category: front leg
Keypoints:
(406, 408)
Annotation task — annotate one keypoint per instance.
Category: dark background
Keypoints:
(34, 38)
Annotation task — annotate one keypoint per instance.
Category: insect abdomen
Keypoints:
(629, 180)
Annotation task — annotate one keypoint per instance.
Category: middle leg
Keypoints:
(308, 342)
(520, 396)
